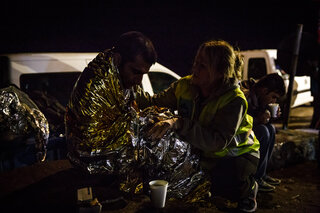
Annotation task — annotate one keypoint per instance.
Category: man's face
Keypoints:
(268, 98)
(132, 72)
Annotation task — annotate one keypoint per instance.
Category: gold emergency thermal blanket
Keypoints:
(20, 117)
(106, 134)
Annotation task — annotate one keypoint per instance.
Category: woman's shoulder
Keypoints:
(186, 78)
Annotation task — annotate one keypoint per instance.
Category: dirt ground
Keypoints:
(51, 187)
(298, 192)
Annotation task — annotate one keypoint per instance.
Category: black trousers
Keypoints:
(233, 177)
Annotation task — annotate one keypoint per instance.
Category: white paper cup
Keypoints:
(274, 110)
(158, 192)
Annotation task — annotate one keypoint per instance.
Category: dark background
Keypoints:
(176, 29)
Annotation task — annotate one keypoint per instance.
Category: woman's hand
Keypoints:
(160, 128)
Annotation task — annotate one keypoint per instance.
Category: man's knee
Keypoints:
(262, 132)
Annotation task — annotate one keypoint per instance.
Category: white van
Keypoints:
(50, 64)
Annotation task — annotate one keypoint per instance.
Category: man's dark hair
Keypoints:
(133, 43)
(273, 82)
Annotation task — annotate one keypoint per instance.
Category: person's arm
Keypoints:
(219, 133)
(259, 115)
(166, 98)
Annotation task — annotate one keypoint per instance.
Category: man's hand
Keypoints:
(160, 128)
(279, 112)
(264, 117)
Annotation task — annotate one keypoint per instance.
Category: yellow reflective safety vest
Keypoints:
(244, 141)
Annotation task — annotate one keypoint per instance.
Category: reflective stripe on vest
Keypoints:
(244, 140)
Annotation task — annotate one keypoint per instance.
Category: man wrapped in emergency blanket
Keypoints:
(107, 134)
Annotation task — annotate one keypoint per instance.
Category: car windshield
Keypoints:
(160, 81)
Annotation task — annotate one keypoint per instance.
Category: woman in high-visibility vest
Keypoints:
(213, 118)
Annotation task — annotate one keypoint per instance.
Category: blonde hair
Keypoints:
(221, 57)
(238, 65)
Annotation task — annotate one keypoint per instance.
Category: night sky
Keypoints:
(177, 31)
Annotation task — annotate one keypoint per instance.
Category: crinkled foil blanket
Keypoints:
(169, 158)
(20, 116)
(114, 138)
